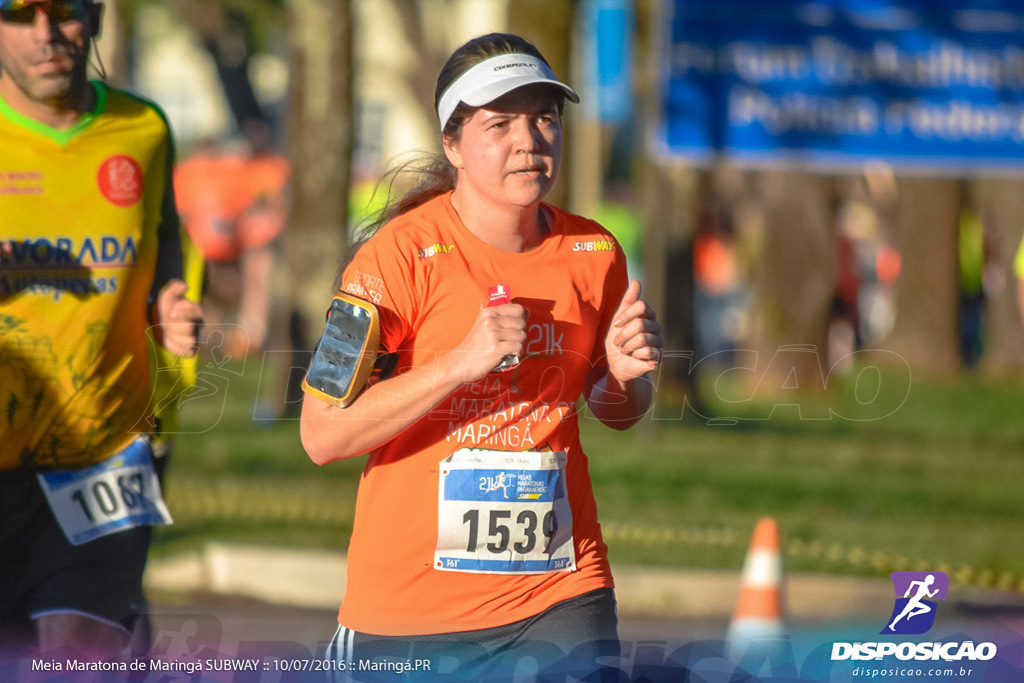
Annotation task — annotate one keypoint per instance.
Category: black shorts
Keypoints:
(42, 573)
(571, 638)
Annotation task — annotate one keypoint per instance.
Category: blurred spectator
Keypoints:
(878, 259)
(1018, 271)
(878, 267)
(844, 322)
(880, 306)
(980, 275)
(617, 214)
(369, 195)
(235, 205)
(972, 254)
(718, 294)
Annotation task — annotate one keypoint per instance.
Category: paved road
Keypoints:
(239, 602)
(225, 623)
(293, 596)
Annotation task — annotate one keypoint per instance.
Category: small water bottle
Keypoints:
(496, 296)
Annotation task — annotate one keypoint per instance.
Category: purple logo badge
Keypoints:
(916, 595)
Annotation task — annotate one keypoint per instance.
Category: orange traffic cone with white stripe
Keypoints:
(759, 611)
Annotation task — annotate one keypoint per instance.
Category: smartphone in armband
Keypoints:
(344, 357)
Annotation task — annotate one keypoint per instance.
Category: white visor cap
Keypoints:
(494, 77)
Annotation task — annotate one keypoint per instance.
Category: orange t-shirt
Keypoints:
(429, 277)
(714, 263)
(211, 192)
(266, 213)
(230, 203)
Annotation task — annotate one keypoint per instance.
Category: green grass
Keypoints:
(921, 475)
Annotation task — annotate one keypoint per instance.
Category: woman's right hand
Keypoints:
(498, 331)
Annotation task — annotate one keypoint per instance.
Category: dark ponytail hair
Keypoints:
(435, 173)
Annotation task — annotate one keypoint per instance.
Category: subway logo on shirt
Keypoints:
(595, 245)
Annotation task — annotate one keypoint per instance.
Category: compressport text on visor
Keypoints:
(494, 77)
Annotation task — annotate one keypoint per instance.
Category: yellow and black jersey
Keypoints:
(88, 234)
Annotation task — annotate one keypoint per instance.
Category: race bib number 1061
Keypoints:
(503, 512)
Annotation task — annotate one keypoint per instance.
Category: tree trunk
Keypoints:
(925, 331)
(548, 24)
(320, 117)
(423, 76)
(793, 279)
(668, 196)
(1002, 208)
(320, 141)
(110, 46)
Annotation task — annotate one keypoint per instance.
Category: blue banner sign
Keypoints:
(608, 27)
(925, 84)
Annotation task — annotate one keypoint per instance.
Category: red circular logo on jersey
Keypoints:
(120, 180)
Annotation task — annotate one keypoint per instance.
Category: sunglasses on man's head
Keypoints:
(22, 12)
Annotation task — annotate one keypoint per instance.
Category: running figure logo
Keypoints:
(914, 613)
(503, 481)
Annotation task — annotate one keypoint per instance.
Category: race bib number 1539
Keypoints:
(503, 512)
